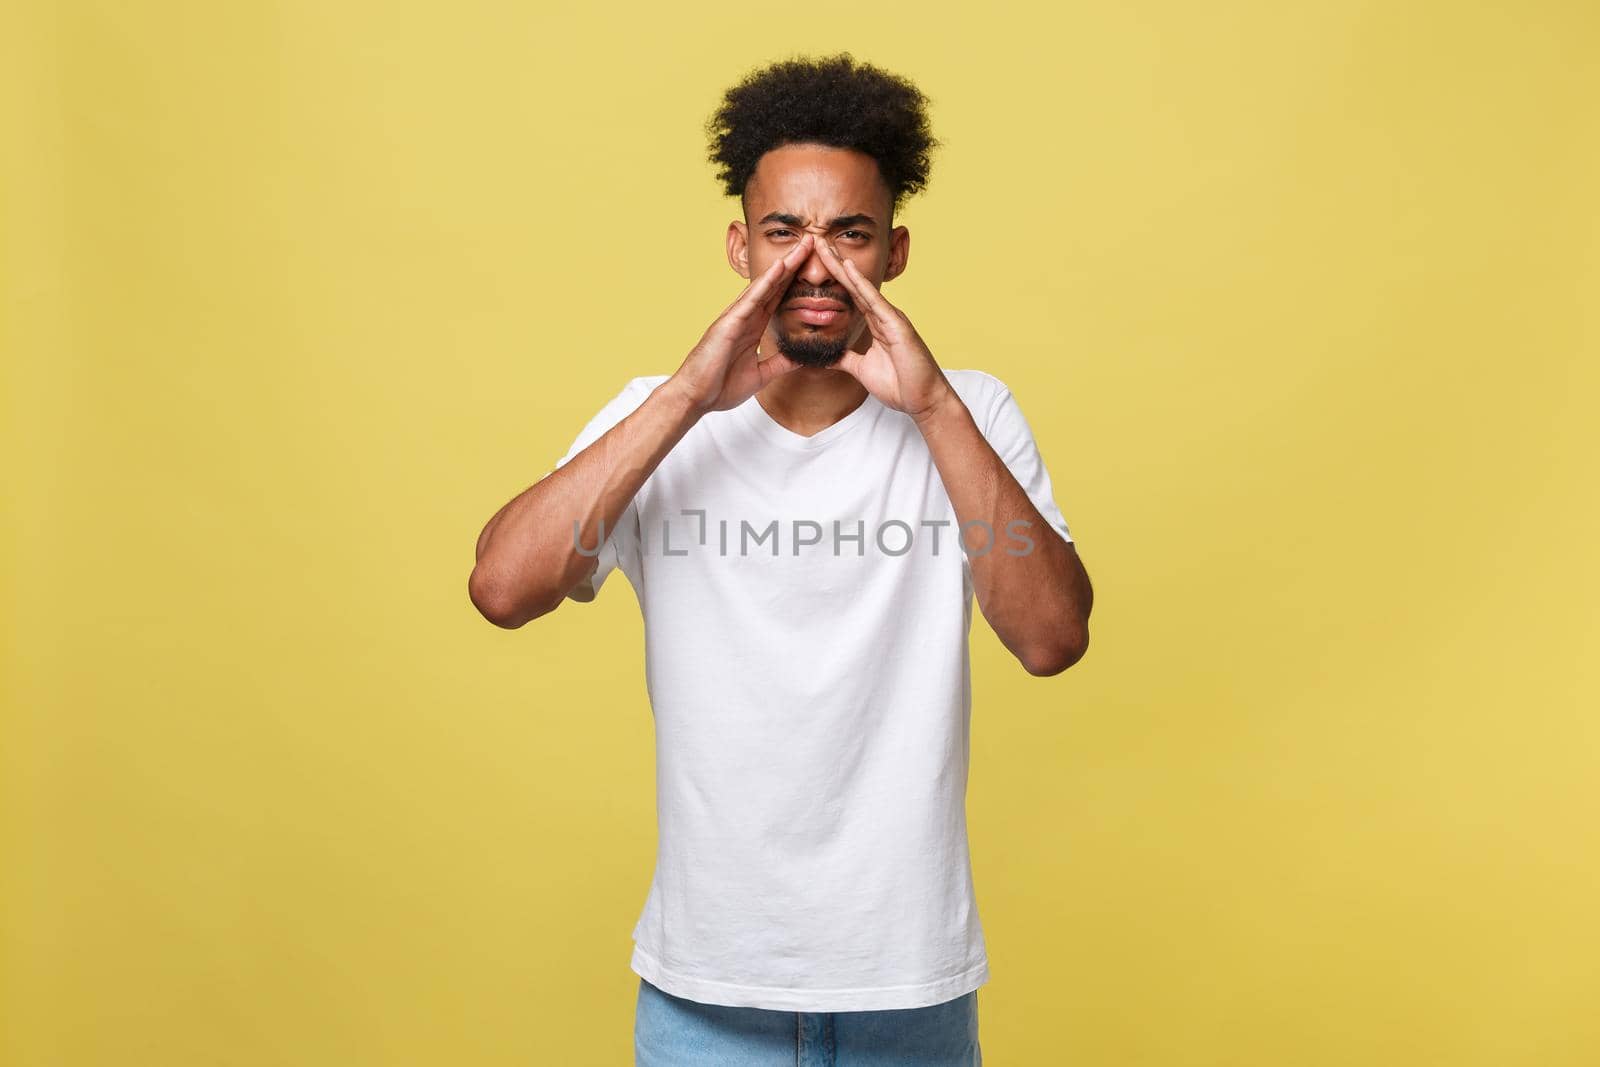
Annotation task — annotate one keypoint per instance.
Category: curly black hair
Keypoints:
(831, 100)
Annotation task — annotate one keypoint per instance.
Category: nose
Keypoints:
(815, 272)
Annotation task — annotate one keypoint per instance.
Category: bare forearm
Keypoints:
(527, 555)
(1037, 598)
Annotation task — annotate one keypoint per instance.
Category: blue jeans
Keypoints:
(669, 1031)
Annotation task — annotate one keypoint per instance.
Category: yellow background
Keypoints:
(1299, 298)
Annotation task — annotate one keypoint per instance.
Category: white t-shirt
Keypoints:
(806, 622)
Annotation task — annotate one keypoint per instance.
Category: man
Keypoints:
(806, 508)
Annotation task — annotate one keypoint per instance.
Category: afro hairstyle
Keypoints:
(830, 100)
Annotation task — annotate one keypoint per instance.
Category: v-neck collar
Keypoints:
(757, 418)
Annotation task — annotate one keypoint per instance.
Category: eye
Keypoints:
(859, 234)
(776, 233)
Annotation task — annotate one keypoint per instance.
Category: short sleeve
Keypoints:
(625, 538)
(1009, 434)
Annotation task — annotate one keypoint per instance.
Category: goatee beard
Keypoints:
(812, 349)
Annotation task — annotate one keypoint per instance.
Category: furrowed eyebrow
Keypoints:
(841, 221)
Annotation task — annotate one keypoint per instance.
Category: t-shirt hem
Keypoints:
(778, 998)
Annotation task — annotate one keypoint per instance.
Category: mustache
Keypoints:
(819, 294)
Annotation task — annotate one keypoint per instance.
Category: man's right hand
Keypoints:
(722, 371)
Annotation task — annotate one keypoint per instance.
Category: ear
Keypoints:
(899, 251)
(739, 249)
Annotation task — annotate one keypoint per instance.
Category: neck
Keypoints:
(810, 399)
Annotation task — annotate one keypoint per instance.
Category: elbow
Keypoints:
(498, 606)
(491, 603)
(1048, 660)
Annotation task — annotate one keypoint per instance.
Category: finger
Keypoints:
(863, 294)
(850, 363)
(830, 259)
(858, 283)
(774, 281)
(754, 285)
(775, 365)
(796, 259)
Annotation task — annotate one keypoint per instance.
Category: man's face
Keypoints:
(839, 196)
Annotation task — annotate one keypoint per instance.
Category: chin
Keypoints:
(813, 349)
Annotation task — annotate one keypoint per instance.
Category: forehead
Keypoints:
(816, 182)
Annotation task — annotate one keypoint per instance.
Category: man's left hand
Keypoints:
(897, 367)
